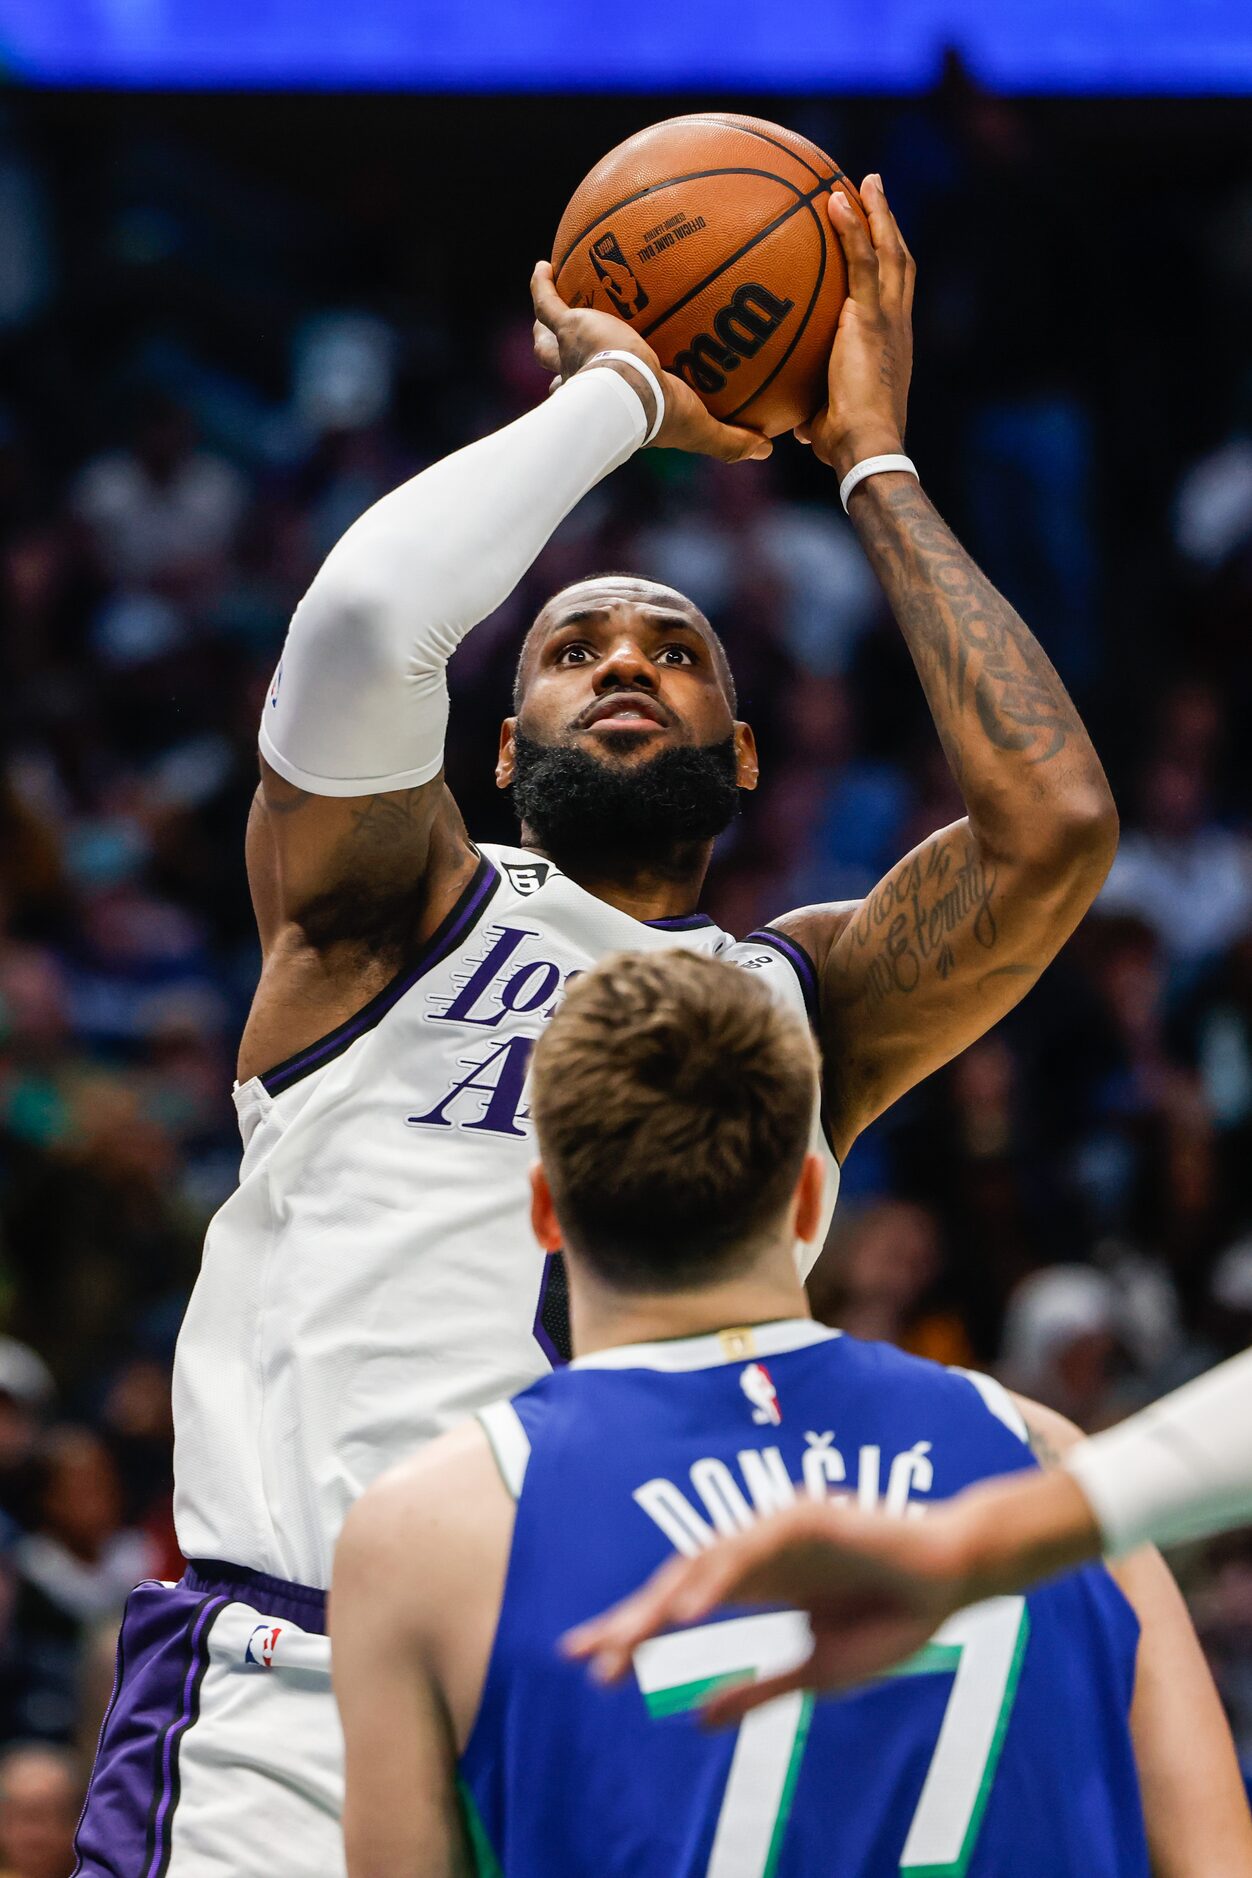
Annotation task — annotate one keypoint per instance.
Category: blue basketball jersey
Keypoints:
(1002, 1751)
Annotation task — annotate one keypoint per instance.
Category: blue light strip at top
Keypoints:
(646, 45)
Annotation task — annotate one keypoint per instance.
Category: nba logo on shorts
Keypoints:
(617, 276)
(262, 1644)
(758, 1385)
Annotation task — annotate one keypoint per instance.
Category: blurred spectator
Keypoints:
(162, 510)
(882, 1278)
(1146, 1163)
(727, 537)
(41, 1795)
(1178, 869)
(26, 1395)
(74, 1567)
(1062, 1343)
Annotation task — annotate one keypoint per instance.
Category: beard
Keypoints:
(578, 806)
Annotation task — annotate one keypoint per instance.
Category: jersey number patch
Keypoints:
(981, 1649)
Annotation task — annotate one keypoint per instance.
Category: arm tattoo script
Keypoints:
(906, 932)
(978, 661)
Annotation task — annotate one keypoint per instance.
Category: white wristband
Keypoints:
(646, 372)
(873, 466)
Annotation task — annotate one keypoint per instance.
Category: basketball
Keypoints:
(710, 235)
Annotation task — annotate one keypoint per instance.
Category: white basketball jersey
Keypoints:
(373, 1279)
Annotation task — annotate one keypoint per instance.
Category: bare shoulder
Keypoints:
(816, 928)
(445, 1505)
(1052, 1435)
(431, 1491)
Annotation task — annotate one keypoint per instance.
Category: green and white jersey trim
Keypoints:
(741, 1343)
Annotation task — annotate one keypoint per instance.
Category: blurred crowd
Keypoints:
(214, 357)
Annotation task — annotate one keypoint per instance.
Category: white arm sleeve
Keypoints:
(359, 703)
(1180, 1469)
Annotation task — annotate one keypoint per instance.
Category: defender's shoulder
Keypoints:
(962, 1390)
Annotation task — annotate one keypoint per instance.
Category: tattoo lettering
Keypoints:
(963, 632)
(909, 925)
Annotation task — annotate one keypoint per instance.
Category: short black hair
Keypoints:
(720, 659)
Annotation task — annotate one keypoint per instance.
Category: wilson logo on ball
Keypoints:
(616, 276)
(752, 315)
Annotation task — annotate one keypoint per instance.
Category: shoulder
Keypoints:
(799, 943)
(977, 1399)
(443, 1505)
(816, 928)
(1049, 1434)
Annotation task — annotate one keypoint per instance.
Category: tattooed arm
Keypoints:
(356, 850)
(955, 935)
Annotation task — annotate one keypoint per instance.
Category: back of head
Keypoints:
(673, 1099)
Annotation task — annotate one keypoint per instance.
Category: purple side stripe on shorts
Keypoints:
(162, 1653)
(160, 1829)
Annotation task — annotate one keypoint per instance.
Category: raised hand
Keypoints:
(872, 359)
(566, 337)
(874, 1588)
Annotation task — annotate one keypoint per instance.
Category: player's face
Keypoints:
(622, 670)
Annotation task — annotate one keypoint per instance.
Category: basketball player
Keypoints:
(373, 1278)
(876, 1589)
(673, 1106)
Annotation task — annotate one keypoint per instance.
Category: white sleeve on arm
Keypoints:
(1180, 1469)
(359, 703)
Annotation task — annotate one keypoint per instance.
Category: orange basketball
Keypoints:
(710, 235)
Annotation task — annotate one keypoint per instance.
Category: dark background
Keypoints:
(180, 443)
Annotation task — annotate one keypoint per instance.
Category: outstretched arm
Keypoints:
(355, 848)
(1178, 1470)
(954, 936)
(876, 1587)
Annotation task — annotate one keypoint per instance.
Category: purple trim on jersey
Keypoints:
(446, 937)
(682, 922)
(797, 958)
(127, 1821)
(272, 1597)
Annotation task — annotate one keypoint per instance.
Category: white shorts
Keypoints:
(221, 1754)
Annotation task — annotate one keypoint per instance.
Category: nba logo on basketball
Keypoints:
(758, 1385)
(617, 277)
(262, 1644)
